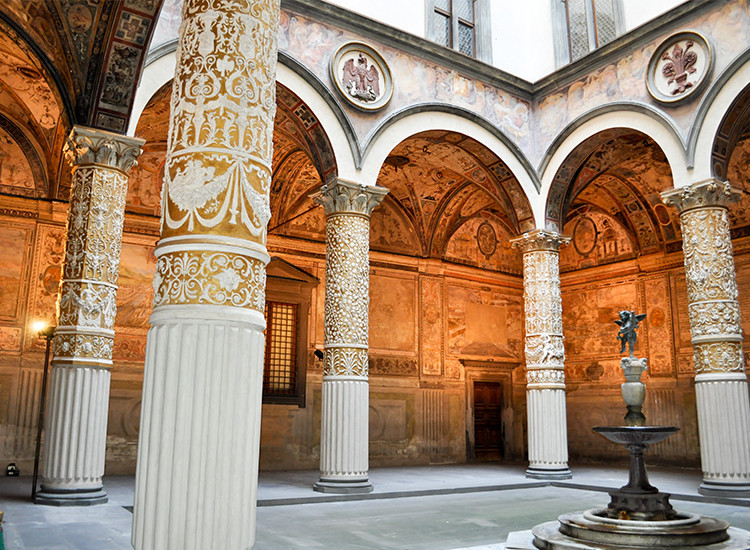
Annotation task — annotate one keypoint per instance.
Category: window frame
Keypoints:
(482, 43)
(561, 29)
(288, 284)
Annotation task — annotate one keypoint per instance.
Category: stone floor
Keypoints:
(437, 507)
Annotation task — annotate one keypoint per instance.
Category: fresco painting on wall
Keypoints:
(16, 241)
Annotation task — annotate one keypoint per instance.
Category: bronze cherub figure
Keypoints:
(628, 323)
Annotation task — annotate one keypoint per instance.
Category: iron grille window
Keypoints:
(591, 24)
(280, 369)
(453, 25)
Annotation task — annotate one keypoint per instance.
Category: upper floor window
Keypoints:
(453, 25)
(589, 24)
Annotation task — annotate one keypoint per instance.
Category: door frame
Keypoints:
(491, 371)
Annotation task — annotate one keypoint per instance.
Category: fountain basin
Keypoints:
(636, 435)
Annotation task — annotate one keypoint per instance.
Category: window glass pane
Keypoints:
(577, 28)
(605, 21)
(280, 372)
(442, 29)
(464, 9)
(444, 5)
(466, 39)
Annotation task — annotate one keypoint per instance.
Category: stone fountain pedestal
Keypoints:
(638, 514)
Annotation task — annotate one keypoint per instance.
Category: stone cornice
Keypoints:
(489, 74)
(703, 194)
(346, 197)
(93, 146)
(540, 239)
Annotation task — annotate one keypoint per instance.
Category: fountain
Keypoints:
(638, 515)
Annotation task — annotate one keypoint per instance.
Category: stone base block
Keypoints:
(709, 488)
(538, 473)
(640, 506)
(84, 497)
(343, 487)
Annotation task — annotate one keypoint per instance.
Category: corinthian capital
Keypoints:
(539, 239)
(92, 146)
(703, 194)
(346, 197)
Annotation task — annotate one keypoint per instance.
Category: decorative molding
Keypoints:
(679, 67)
(361, 76)
(87, 146)
(703, 194)
(540, 239)
(346, 197)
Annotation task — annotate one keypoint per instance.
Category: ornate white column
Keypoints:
(76, 426)
(196, 481)
(720, 380)
(545, 355)
(344, 442)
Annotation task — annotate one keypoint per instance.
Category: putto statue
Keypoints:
(628, 323)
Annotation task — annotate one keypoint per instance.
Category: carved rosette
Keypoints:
(86, 305)
(218, 171)
(709, 269)
(545, 352)
(348, 207)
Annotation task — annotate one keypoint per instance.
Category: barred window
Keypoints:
(590, 24)
(280, 369)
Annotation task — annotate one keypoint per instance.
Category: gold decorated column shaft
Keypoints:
(198, 450)
(721, 388)
(344, 433)
(73, 462)
(545, 354)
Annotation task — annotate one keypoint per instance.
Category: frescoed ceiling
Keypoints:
(444, 181)
(611, 201)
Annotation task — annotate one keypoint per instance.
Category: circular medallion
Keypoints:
(362, 76)
(585, 236)
(679, 67)
(486, 239)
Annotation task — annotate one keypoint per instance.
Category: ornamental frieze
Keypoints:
(83, 346)
(209, 278)
(345, 362)
(718, 357)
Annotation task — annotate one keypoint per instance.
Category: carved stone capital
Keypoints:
(703, 194)
(346, 197)
(91, 146)
(540, 239)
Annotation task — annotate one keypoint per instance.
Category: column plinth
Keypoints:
(344, 442)
(545, 355)
(198, 448)
(721, 386)
(76, 425)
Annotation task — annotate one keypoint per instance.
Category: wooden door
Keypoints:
(488, 423)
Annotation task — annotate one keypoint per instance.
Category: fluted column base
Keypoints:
(77, 436)
(344, 460)
(723, 407)
(197, 476)
(548, 434)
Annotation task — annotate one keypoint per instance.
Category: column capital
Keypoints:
(702, 194)
(346, 197)
(93, 146)
(540, 239)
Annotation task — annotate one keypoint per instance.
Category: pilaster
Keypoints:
(76, 427)
(545, 355)
(720, 380)
(344, 462)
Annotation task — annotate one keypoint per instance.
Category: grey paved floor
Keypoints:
(437, 507)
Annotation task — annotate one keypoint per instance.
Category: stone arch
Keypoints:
(422, 118)
(613, 180)
(583, 137)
